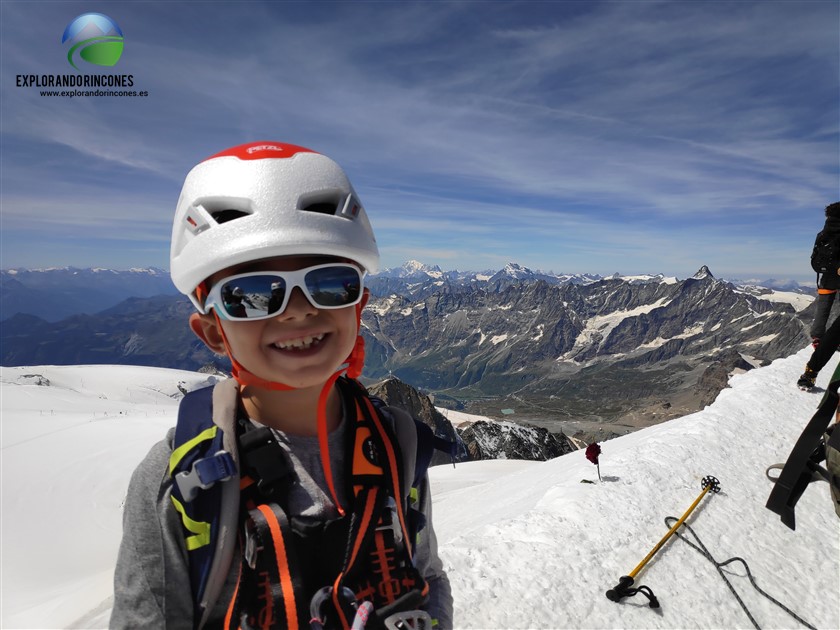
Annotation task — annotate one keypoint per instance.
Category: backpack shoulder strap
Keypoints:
(385, 574)
(418, 445)
(408, 439)
(205, 488)
(427, 443)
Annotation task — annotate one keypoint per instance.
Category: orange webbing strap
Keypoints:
(323, 439)
(337, 604)
(383, 566)
(360, 528)
(394, 470)
(268, 586)
(281, 558)
(232, 615)
(826, 291)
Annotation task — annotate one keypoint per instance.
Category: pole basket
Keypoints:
(711, 481)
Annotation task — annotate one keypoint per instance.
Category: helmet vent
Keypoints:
(321, 207)
(223, 216)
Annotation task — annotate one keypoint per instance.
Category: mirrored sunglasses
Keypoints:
(263, 294)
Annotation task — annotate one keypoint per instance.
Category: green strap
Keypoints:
(833, 384)
(199, 529)
(179, 453)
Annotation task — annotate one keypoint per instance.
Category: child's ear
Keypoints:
(365, 298)
(207, 328)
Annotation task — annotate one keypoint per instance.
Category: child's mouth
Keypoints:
(301, 344)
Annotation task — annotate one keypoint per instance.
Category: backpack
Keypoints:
(816, 444)
(205, 456)
(825, 257)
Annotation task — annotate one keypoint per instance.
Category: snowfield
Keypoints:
(526, 545)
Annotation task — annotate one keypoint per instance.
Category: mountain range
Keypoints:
(623, 351)
(57, 293)
(580, 354)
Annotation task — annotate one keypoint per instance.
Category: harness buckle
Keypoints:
(204, 473)
(252, 545)
(394, 524)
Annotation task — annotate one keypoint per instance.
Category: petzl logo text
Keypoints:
(94, 38)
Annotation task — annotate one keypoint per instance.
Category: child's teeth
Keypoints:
(299, 344)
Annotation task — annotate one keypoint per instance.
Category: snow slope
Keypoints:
(68, 450)
(534, 547)
(526, 545)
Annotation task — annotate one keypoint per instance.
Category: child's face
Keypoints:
(300, 347)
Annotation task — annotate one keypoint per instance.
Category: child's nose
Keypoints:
(298, 306)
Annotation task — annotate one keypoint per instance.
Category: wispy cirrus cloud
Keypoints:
(511, 130)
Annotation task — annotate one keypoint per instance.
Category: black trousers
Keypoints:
(824, 303)
(828, 346)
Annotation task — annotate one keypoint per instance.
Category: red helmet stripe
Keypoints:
(261, 150)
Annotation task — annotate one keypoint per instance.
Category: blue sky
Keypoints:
(568, 136)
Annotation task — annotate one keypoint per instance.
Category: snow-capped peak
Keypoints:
(412, 267)
(515, 270)
(702, 273)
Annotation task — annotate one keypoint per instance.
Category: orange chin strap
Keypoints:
(352, 366)
(356, 360)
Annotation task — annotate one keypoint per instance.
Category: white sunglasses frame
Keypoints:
(296, 278)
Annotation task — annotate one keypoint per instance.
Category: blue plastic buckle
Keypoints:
(204, 473)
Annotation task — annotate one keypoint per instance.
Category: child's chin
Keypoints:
(302, 378)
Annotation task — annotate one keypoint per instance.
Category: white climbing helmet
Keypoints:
(262, 200)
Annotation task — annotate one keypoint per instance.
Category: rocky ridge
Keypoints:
(593, 351)
(479, 440)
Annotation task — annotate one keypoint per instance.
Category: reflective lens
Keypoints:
(262, 294)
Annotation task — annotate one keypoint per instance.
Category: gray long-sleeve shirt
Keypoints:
(151, 581)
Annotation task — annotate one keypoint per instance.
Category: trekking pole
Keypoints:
(623, 588)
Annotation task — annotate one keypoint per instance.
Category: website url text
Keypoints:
(72, 93)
